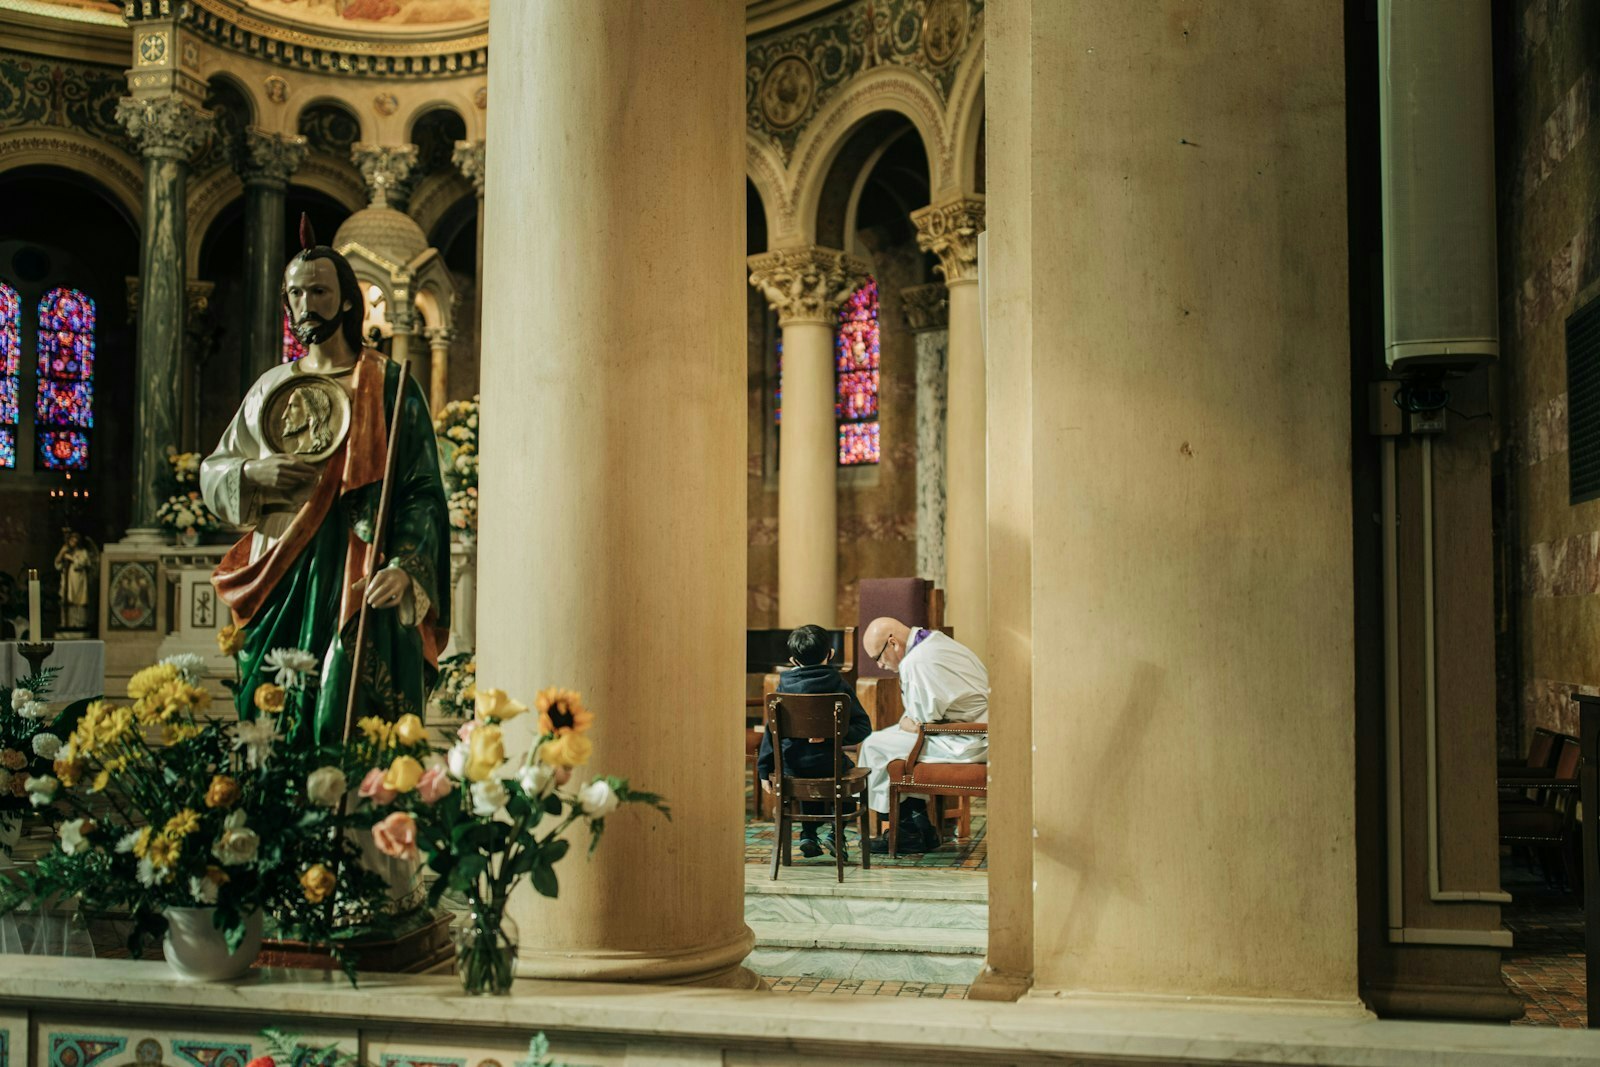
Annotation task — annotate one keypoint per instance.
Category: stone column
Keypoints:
(927, 312)
(612, 536)
(269, 161)
(950, 231)
(469, 160)
(437, 383)
(807, 286)
(168, 131)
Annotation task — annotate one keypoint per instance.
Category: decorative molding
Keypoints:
(165, 127)
(925, 307)
(119, 172)
(334, 176)
(386, 170)
(434, 195)
(271, 158)
(950, 231)
(73, 96)
(469, 160)
(807, 284)
(235, 27)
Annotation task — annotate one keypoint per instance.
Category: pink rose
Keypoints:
(466, 729)
(372, 786)
(563, 775)
(435, 785)
(397, 836)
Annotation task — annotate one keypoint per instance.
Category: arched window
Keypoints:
(64, 414)
(856, 375)
(10, 373)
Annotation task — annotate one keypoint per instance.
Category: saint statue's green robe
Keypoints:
(296, 580)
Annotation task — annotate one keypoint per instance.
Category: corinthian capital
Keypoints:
(270, 158)
(165, 127)
(387, 171)
(950, 231)
(926, 307)
(468, 158)
(807, 284)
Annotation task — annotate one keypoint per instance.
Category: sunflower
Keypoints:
(182, 824)
(561, 711)
(161, 850)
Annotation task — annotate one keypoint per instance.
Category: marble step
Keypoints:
(843, 908)
(811, 950)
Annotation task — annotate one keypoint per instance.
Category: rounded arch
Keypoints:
(240, 91)
(765, 171)
(433, 107)
(966, 124)
(437, 195)
(337, 179)
(899, 90)
(104, 166)
(209, 200)
(872, 141)
(755, 221)
(330, 125)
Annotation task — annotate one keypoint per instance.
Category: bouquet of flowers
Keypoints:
(186, 513)
(457, 430)
(185, 468)
(30, 739)
(175, 810)
(456, 687)
(483, 823)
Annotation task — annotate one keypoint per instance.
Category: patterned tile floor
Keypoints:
(1546, 965)
(868, 988)
(970, 855)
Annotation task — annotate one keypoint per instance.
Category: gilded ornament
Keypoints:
(277, 89)
(306, 416)
(386, 104)
(152, 49)
(944, 30)
(787, 92)
(481, 97)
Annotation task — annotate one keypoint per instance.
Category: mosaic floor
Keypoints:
(1546, 965)
(861, 988)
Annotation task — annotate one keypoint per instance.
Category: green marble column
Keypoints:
(168, 131)
(269, 161)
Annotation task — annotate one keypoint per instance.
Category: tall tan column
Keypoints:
(437, 384)
(1173, 554)
(950, 231)
(807, 286)
(612, 536)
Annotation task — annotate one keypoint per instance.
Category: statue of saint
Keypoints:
(76, 562)
(302, 464)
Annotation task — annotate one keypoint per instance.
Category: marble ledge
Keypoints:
(710, 1019)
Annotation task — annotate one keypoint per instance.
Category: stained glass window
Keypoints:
(292, 348)
(65, 407)
(10, 371)
(856, 370)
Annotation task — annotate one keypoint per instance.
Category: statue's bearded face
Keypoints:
(312, 289)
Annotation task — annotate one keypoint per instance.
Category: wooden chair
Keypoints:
(1546, 817)
(1541, 753)
(824, 715)
(937, 780)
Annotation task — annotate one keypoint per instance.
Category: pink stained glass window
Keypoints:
(292, 348)
(856, 370)
(10, 371)
(65, 404)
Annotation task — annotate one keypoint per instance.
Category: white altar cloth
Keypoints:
(82, 663)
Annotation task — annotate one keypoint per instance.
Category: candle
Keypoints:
(35, 628)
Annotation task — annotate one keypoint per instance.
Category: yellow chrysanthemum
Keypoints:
(172, 700)
(182, 824)
(561, 711)
(376, 730)
(270, 698)
(162, 851)
(184, 731)
(150, 679)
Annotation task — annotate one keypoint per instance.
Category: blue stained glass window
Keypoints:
(65, 404)
(10, 368)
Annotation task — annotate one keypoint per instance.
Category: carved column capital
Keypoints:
(438, 336)
(925, 307)
(165, 127)
(387, 171)
(807, 284)
(469, 160)
(950, 231)
(270, 158)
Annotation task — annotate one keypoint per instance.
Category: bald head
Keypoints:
(884, 642)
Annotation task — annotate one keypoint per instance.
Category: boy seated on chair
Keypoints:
(811, 654)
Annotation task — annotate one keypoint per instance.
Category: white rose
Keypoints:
(21, 698)
(326, 785)
(456, 760)
(204, 890)
(598, 799)
(46, 746)
(73, 836)
(488, 797)
(538, 780)
(237, 843)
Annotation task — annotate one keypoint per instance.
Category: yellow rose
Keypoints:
(410, 731)
(185, 822)
(486, 750)
(566, 750)
(269, 698)
(403, 775)
(230, 639)
(222, 793)
(318, 882)
(376, 730)
(494, 704)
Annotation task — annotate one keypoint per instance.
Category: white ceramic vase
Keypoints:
(196, 949)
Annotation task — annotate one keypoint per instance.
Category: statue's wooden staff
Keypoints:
(380, 530)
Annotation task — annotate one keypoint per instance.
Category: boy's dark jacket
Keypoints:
(802, 758)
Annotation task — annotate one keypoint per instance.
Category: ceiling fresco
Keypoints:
(375, 14)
